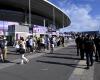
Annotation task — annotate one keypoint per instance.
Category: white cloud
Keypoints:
(81, 20)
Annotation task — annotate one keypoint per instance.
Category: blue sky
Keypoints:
(84, 14)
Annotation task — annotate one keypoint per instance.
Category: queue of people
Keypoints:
(88, 45)
(30, 45)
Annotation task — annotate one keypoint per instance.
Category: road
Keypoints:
(64, 64)
(57, 66)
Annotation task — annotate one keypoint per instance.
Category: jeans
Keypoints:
(89, 58)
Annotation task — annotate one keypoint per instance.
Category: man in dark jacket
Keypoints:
(77, 40)
(89, 49)
(96, 41)
(81, 46)
(97, 48)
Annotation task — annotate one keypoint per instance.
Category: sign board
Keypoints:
(1, 32)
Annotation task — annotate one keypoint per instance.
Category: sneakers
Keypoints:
(27, 61)
(24, 62)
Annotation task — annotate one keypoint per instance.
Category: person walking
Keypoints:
(22, 51)
(89, 49)
(3, 49)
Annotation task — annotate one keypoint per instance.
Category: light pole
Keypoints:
(29, 13)
(3, 29)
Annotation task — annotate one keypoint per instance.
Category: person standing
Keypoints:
(43, 43)
(77, 40)
(89, 49)
(58, 41)
(27, 45)
(31, 44)
(96, 42)
(47, 42)
(98, 49)
(22, 51)
(34, 43)
(3, 49)
(39, 44)
(51, 45)
(62, 40)
(81, 47)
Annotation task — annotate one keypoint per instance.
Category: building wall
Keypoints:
(20, 28)
(17, 31)
(21, 34)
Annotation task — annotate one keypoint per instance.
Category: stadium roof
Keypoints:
(17, 11)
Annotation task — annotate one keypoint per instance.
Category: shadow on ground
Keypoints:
(6, 61)
(63, 54)
(59, 63)
(61, 57)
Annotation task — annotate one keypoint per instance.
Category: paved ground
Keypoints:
(97, 71)
(57, 66)
(62, 65)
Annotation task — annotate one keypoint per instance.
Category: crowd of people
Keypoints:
(88, 45)
(31, 45)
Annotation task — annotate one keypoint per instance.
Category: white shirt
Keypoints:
(23, 43)
(43, 41)
(31, 42)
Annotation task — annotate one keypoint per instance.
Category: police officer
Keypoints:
(89, 49)
(98, 49)
(81, 46)
(77, 40)
(96, 41)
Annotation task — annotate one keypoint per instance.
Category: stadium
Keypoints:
(34, 12)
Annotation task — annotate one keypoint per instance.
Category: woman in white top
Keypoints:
(22, 51)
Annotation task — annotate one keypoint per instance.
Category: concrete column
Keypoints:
(63, 21)
(44, 22)
(53, 16)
